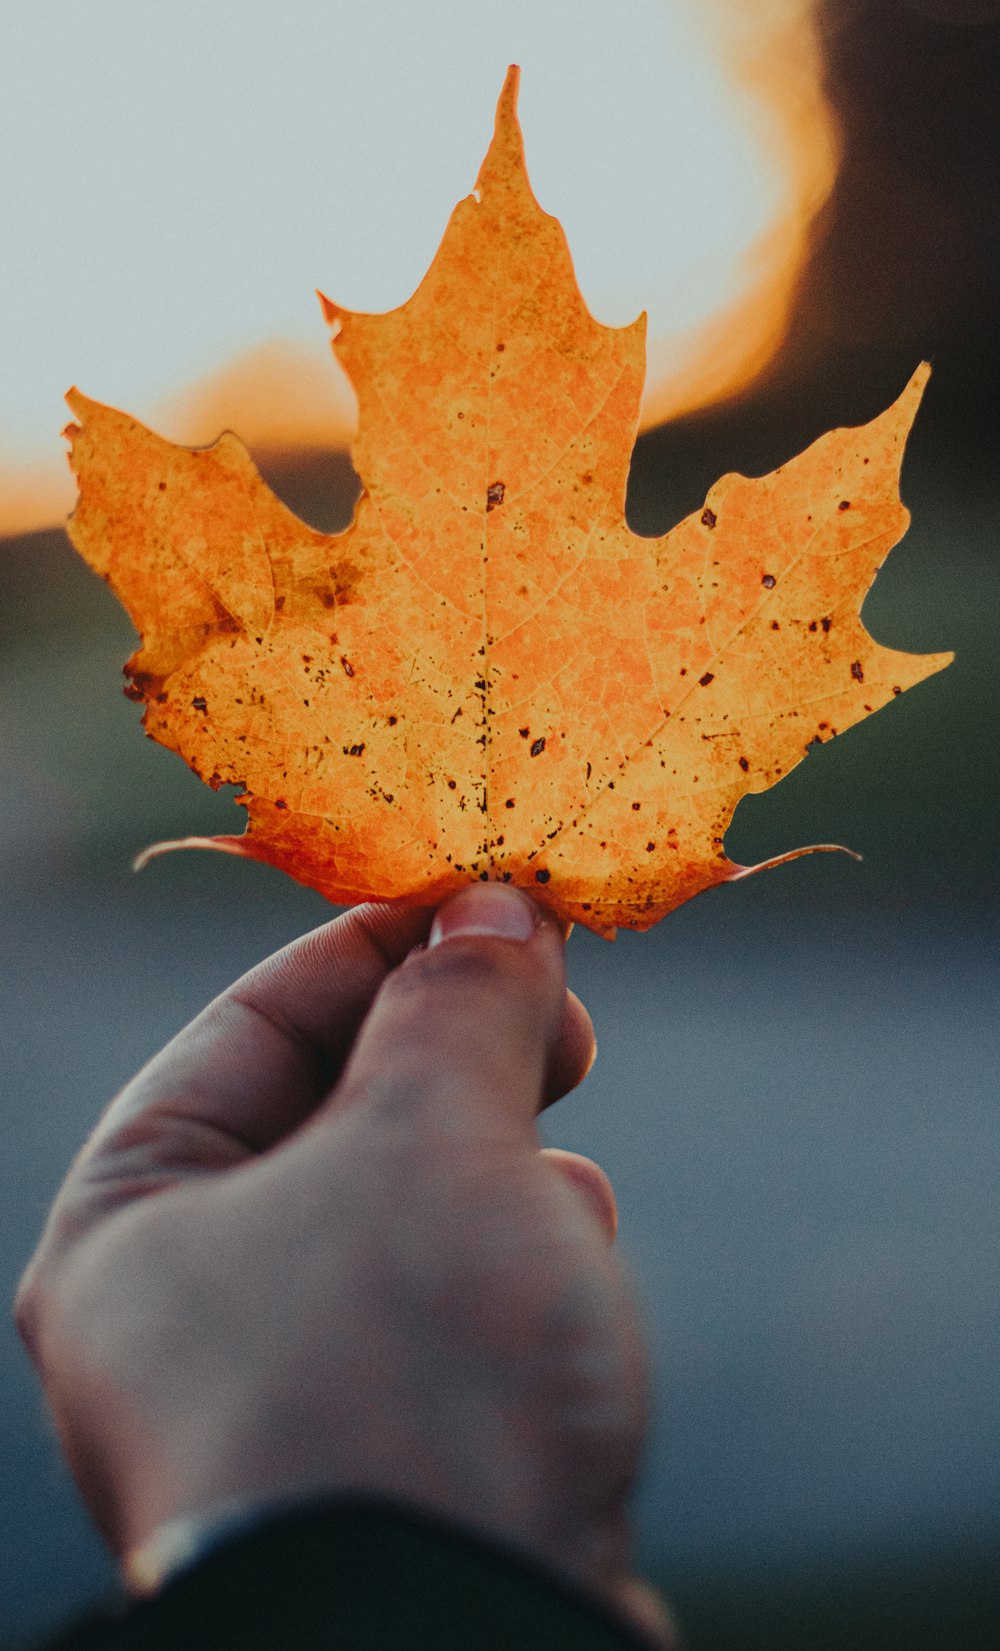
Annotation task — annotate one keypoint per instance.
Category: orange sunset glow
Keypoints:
(171, 268)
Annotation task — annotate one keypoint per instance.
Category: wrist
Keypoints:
(501, 1480)
(252, 1568)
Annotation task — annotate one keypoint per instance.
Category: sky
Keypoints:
(175, 181)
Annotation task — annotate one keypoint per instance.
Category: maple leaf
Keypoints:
(488, 675)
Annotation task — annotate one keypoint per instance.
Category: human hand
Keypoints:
(313, 1248)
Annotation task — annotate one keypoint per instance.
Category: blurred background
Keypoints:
(796, 1093)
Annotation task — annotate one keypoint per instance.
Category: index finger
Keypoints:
(254, 1065)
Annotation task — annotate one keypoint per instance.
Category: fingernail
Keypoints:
(487, 909)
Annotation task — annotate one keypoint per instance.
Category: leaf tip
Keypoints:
(912, 394)
(505, 156)
(331, 311)
(77, 402)
(507, 106)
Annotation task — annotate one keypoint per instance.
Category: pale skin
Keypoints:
(314, 1247)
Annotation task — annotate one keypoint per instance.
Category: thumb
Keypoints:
(462, 1032)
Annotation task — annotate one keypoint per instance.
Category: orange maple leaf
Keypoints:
(488, 675)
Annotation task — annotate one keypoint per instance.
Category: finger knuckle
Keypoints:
(29, 1307)
(466, 970)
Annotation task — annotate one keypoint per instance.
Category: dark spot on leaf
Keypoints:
(494, 495)
(162, 486)
(703, 681)
(744, 765)
(812, 625)
(501, 348)
(507, 876)
(538, 746)
(708, 518)
(393, 721)
(279, 802)
(636, 807)
(348, 667)
(484, 876)
(826, 623)
(142, 685)
(354, 750)
(897, 691)
(542, 876)
(856, 671)
(199, 704)
(509, 803)
(774, 625)
(845, 504)
(327, 598)
(650, 847)
(524, 732)
(768, 581)
(452, 784)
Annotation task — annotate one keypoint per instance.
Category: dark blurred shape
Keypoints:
(956, 12)
(907, 247)
(922, 1602)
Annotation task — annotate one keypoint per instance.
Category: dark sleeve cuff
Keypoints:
(358, 1576)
